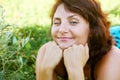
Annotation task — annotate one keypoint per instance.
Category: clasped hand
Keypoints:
(74, 57)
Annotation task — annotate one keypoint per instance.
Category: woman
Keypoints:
(82, 48)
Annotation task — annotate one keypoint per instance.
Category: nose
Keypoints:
(63, 29)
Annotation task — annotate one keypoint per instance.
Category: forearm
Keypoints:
(76, 74)
(45, 75)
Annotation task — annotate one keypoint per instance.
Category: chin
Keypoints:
(64, 46)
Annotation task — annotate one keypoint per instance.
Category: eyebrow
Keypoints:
(57, 18)
(72, 16)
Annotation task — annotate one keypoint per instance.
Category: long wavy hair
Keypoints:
(99, 40)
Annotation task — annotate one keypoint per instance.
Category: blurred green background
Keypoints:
(30, 12)
(24, 27)
(27, 12)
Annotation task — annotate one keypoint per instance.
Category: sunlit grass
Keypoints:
(107, 5)
(29, 12)
(112, 7)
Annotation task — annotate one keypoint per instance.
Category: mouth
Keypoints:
(65, 42)
(64, 39)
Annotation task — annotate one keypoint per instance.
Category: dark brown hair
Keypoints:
(99, 40)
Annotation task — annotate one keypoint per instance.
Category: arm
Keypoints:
(48, 57)
(39, 71)
(76, 74)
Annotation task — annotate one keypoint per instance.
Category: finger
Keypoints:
(87, 49)
(68, 50)
(52, 49)
(52, 44)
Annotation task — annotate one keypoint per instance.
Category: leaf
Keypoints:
(14, 40)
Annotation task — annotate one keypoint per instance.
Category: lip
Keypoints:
(65, 38)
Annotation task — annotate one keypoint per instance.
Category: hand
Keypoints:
(76, 56)
(52, 56)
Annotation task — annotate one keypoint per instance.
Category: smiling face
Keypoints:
(69, 28)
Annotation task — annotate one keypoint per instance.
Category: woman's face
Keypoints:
(69, 28)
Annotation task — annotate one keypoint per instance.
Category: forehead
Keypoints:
(61, 11)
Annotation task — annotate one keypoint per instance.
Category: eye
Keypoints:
(73, 22)
(56, 22)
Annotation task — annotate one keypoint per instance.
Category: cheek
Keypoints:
(81, 36)
(53, 31)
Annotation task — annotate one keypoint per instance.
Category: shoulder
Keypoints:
(109, 66)
(113, 54)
